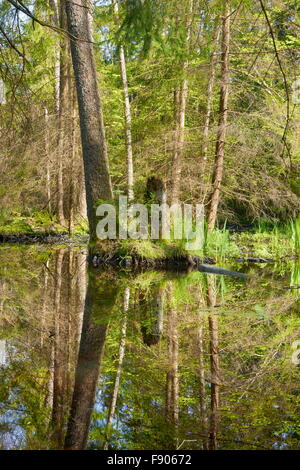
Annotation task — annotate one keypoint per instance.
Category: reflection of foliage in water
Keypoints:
(256, 323)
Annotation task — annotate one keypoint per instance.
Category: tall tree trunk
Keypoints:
(115, 393)
(127, 108)
(55, 21)
(72, 162)
(95, 158)
(223, 112)
(209, 102)
(180, 98)
(63, 111)
(47, 155)
(57, 420)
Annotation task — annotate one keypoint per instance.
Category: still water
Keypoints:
(108, 359)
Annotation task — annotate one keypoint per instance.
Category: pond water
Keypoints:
(109, 359)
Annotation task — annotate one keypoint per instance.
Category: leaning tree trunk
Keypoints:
(223, 111)
(127, 108)
(96, 166)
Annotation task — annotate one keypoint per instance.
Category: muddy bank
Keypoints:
(134, 261)
(43, 238)
(180, 264)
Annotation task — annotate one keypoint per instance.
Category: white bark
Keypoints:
(127, 108)
(113, 403)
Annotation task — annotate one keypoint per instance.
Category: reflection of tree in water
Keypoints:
(152, 310)
(214, 362)
(44, 302)
(172, 380)
(100, 299)
(166, 396)
(121, 353)
(67, 308)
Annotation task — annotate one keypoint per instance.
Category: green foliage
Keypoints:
(295, 226)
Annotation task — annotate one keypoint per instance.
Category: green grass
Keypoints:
(295, 228)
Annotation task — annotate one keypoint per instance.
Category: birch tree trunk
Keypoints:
(180, 99)
(127, 108)
(223, 112)
(209, 102)
(96, 166)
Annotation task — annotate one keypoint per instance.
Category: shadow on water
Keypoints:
(146, 360)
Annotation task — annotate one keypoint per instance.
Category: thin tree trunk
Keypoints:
(223, 112)
(172, 411)
(63, 110)
(47, 155)
(44, 302)
(72, 163)
(96, 166)
(80, 295)
(55, 21)
(214, 366)
(180, 99)
(50, 386)
(203, 410)
(127, 108)
(209, 102)
(113, 403)
(58, 373)
(2, 295)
